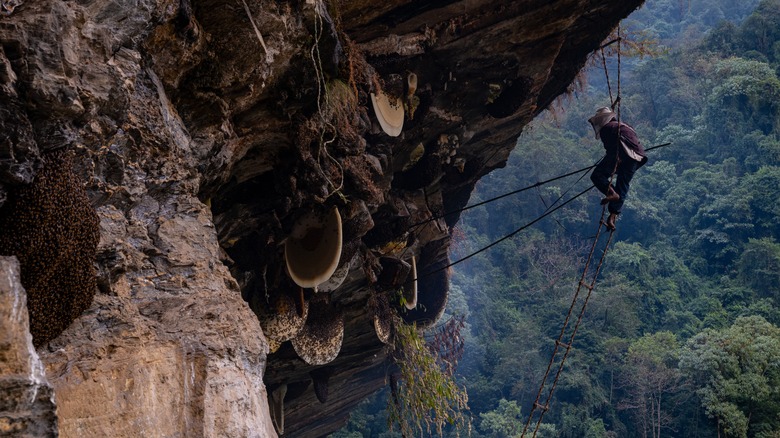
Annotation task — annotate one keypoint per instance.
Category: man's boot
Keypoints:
(610, 224)
(611, 196)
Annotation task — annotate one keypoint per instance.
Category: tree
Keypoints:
(505, 421)
(747, 95)
(650, 378)
(762, 29)
(759, 266)
(737, 371)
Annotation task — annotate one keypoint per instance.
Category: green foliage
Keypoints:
(678, 22)
(596, 429)
(761, 30)
(425, 398)
(747, 94)
(759, 266)
(737, 371)
(651, 380)
(368, 419)
(505, 421)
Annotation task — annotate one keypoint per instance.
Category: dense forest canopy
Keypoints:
(681, 337)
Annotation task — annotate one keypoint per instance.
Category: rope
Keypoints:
(543, 408)
(546, 213)
(508, 236)
(606, 73)
(567, 190)
(257, 31)
(514, 192)
(617, 102)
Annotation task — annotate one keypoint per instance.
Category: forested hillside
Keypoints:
(681, 337)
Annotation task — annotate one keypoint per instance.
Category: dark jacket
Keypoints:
(609, 135)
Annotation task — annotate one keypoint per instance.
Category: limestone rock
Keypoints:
(27, 406)
(168, 348)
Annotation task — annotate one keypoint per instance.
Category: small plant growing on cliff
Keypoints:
(424, 396)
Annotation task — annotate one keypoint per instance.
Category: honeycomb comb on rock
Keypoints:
(52, 228)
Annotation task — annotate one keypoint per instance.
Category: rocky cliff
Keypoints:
(207, 134)
(26, 398)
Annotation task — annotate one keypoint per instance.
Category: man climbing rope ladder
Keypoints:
(622, 157)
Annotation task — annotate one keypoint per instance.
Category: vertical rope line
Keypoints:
(558, 341)
(617, 104)
(567, 347)
(316, 61)
(618, 72)
(590, 288)
(606, 73)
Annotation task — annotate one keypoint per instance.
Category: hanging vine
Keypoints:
(424, 396)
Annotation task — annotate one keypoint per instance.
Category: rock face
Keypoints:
(27, 406)
(206, 129)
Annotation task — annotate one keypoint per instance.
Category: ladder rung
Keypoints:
(558, 342)
(586, 285)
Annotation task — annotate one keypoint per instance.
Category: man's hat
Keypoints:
(603, 116)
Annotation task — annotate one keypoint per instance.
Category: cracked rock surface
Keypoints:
(27, 407)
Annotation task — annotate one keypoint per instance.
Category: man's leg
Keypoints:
(601, 174)
(625, 173)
